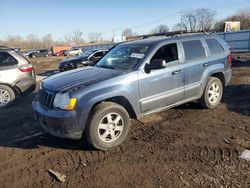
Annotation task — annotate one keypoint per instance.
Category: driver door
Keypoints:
(163, 87)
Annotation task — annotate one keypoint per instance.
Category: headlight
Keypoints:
(63, 101)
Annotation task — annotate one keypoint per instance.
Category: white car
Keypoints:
(73, 51)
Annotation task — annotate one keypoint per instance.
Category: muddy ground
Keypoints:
(183, 147)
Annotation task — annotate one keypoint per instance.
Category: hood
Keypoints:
(79, 77)
(74, 59)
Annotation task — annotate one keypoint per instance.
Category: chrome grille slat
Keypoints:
(46, 98)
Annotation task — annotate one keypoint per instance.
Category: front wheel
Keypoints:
(79, 66)
(212, 94)
(108, 126)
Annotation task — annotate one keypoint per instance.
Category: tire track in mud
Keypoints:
(74, 161)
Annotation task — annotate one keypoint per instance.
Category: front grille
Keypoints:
(46, 98)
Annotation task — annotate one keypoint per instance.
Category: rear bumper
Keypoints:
(58, 123)
(26, 85)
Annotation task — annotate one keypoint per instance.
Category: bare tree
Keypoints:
(77, 37)
(68, 39)
(127, 32)
(33, 41)
(189, 20)
(94, 37)
(197, 20)
(243, 16)
(205, 18)
(177, 27)
(14, 41)
(160, 29)
(47, 41)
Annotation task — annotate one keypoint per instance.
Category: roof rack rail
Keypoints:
(8, 48)
(167, 34)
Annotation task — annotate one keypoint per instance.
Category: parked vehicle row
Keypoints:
(37, 53)
(17, 76)
(88, 58)
(73, 51)
(132, 80)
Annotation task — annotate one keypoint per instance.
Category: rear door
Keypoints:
(163, 87)
(195, 63)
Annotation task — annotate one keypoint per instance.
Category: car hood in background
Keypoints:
(79, 77)
(74, 59)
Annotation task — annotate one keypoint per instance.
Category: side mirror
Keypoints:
(154, 65)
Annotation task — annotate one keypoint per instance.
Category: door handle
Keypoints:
(205, 64)
(176, 72)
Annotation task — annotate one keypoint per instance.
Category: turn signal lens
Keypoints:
(71, 104)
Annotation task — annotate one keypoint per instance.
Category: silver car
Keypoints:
(17, 76)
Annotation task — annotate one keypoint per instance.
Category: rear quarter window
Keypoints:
(193, 49)
(7, 60)
(214, 46)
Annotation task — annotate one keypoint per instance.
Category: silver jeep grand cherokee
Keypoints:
(132, 80)
(17, 76)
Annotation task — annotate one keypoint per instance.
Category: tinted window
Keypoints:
(168, 53)
(214, 46)
(98, 54)
(6, 59)
(193, 49)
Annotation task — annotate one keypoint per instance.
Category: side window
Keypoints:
(6, 59)
(193, 49)
(98, 54)
(167, 52)
(214, 46)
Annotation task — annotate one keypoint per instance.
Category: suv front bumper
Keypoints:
(58, 123)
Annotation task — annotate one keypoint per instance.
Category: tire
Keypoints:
(33, 56)
(212, 94)
(107, 120)
(46, 55)
(79, 66)
(7, 96)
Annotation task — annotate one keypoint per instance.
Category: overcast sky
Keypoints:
(61, 17)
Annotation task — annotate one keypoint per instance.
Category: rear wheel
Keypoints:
(212, 94)
(7, 96)
(108, 126)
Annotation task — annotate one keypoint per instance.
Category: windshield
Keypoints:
(87, 53)
(123, 57)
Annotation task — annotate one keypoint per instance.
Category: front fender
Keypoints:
(92, 95)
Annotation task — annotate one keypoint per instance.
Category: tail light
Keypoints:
(26, 68)
(229, 59)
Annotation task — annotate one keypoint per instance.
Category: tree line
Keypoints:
(33, 41)
(196, 20)
(200, 20)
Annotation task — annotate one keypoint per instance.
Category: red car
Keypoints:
(60, 53)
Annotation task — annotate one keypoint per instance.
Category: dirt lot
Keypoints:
(183, 147)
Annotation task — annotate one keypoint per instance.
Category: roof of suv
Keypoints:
(5, 48)
(159, 39)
